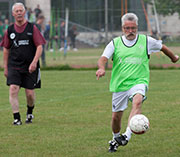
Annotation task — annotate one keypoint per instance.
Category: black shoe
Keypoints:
(121, 140)
(113, 146)
(29, 118)
(17, 122)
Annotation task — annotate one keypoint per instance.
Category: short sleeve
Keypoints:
(37, 37)
(109, 50)
(154, 45)
(5, 41)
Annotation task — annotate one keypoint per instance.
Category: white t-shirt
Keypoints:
(153, 46)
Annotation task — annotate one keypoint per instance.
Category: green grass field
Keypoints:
(73, 114)
(89, 57)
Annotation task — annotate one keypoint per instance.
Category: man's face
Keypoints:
(129, 30)
(18, 13)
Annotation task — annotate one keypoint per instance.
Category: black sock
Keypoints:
(30, 109)
(17, 116)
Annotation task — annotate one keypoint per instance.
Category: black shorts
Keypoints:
(24, 79)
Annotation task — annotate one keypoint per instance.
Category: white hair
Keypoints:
(18, 4)
(129, 17)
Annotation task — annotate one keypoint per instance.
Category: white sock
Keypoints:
(128, 133)
(116, 135)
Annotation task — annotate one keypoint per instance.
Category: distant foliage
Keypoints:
(166, 7)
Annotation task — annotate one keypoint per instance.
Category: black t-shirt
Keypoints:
(22, 47)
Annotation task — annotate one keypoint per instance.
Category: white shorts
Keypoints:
(120, 99)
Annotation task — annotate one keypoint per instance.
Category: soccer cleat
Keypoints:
(29, 118)
(17, 122)
(113, 146)
(121, 140)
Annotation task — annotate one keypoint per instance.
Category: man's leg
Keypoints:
(136, 106)
(136, 109)
(116, 127)
(30, 97)
(13, 99)
(119, 104)
(116, 122)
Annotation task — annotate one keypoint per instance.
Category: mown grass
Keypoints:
(89, 57)
(73, 114)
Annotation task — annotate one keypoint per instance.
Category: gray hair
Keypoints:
(129, 17)
(18, 4)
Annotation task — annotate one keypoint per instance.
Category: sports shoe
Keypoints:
(17, 122)
(29, 118)
(121, 140)
(113, 146)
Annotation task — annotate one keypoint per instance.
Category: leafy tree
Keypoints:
(166, 7)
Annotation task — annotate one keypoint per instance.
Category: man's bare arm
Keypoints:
(101, 67)
(170, 54)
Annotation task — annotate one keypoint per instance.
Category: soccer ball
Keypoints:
(139, 124)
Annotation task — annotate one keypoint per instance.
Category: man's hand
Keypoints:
(100, 73)
(32, 67)
(170, 54)
(33, 64)
(175, 59)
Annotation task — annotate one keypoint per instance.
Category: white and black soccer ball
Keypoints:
(139, 124)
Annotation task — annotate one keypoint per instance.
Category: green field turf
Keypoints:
(89, 57)
(73, 114)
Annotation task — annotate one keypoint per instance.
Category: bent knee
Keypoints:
(13, 89)
(138, 99)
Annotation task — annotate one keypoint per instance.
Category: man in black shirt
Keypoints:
(22, 44)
